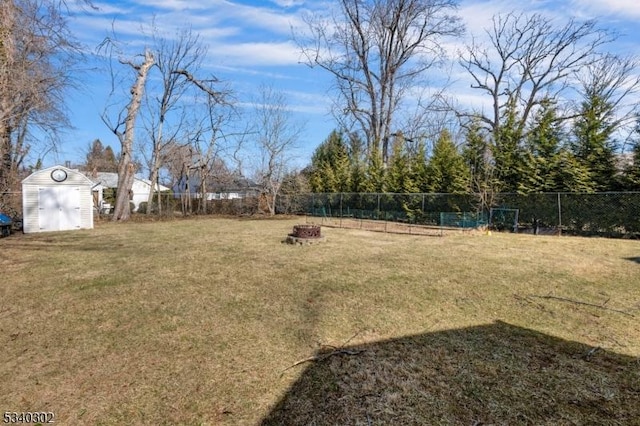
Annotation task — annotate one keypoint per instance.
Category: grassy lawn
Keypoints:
(201, 322)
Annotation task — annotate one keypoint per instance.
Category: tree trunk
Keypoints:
(153, 180)
(155, 167)
(126, 168)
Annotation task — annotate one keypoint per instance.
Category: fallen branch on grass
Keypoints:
(336, 351)
(322, 357)
(527, 300)
(579, 302)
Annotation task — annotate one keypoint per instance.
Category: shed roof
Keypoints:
(75, 176)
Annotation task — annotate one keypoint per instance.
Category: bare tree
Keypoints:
(172, 56)
(207, 134)
(376, 50)
(127, 119)
(529, 59)
(37, 54)
(211, 149)
(177, 159)
(183, 110)
(276, 136)
(613, 80)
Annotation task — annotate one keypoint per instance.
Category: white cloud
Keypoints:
(175, 4)
(256, 53)
(627, 9)
(259, 17)
(478, 14)
(205, 14)
(288, 3)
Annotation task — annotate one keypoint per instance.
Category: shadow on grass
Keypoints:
(489, 374)
(634, 259)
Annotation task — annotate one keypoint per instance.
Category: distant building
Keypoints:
(217, 189)
(106, 180)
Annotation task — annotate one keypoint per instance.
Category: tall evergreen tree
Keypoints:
(101, 158)
(507, 150)
(419, 167)
(541, 159)
(448, 172)
(375, 173)
(399, 174)
(358, 170)
(570, 175)
(477, 157)
(632, 170)
(331, 165)
(476, 152)
(593, 145)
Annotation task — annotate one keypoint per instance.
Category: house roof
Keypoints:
(110, 180)
(217, 184)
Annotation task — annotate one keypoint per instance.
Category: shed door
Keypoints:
(59, 208)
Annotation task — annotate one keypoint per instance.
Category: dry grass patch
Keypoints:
(196, 322)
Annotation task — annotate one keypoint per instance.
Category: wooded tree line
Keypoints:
(581, 157)
(558, 111)
(168, 113)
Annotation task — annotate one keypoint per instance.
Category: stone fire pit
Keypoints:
(305, 234)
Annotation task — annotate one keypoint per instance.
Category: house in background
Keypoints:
(227, 188)
(107, 180)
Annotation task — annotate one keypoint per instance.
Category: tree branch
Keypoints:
(579, 302)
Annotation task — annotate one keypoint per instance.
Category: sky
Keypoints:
(250, 44)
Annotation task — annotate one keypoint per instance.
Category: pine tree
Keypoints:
(507, 150)
(110, 160)
(593, 145)
(374, 173)
(101, 158)
(570, 175)
(477, 157)
(541, 159)
(357, 164)
(419, 168)
(399, 175)
(447, 170)
(632, 171)
(331, 165)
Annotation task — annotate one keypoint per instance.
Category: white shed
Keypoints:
(57, 199)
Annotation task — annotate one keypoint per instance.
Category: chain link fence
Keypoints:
(611, 214)
(163, 204)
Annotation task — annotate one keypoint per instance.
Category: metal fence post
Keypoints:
(378, 211)
(559, 215)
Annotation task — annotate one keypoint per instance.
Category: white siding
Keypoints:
(140, 193)
(65, 205)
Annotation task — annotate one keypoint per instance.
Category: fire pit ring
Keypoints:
(306, 231)
(305, 234)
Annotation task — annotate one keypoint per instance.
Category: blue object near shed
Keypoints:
(5, 225)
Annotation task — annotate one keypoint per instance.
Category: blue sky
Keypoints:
(249, 44)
